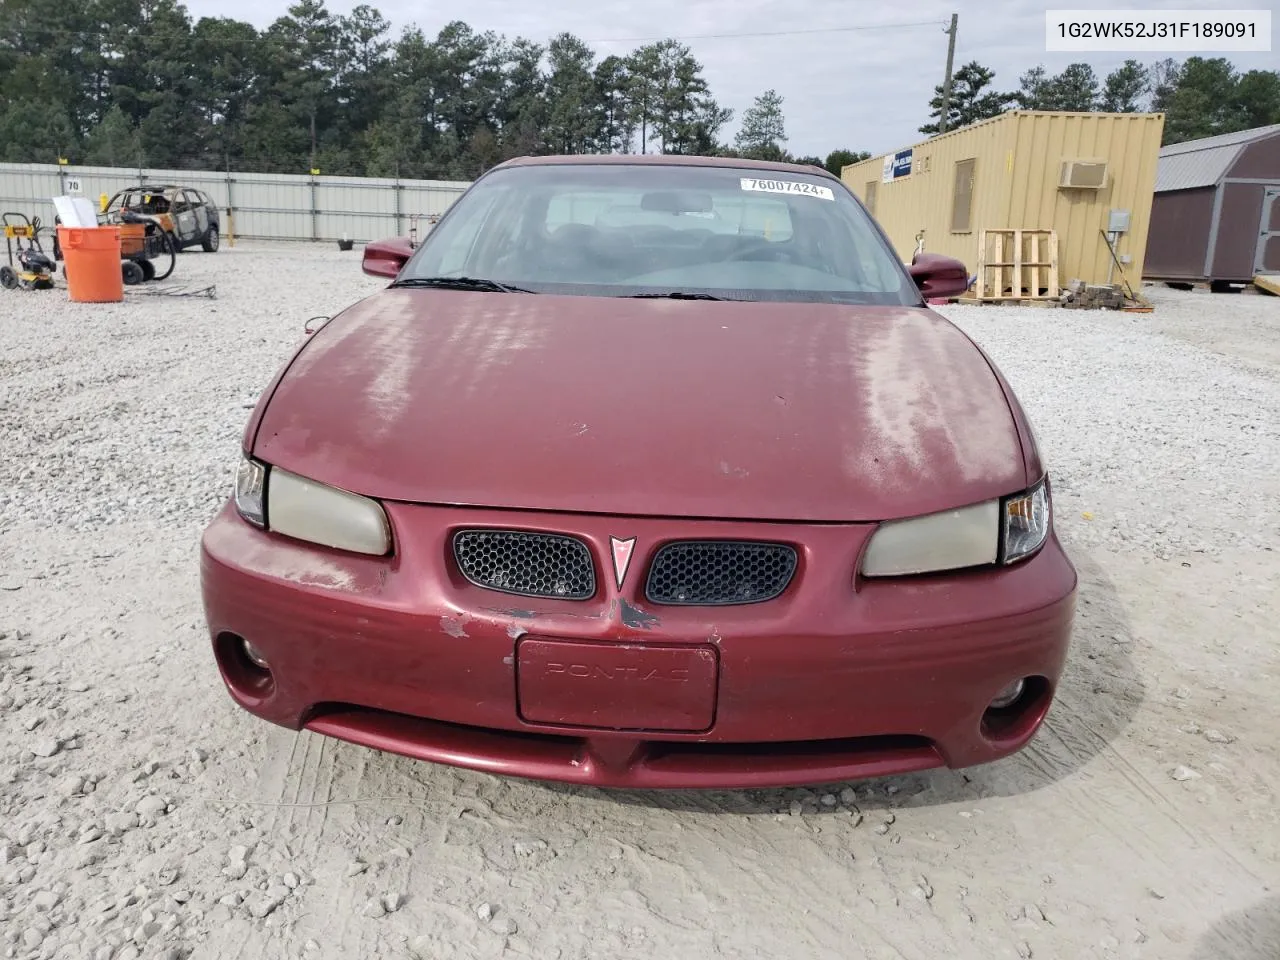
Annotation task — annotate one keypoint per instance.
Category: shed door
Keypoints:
(871, 196)
(1267, 259)
(962, 198)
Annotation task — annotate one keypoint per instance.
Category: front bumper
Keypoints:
(834, 680)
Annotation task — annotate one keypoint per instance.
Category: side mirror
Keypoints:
(384, 258)
(938, 276)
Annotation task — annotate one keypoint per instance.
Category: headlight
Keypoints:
(294, 506)
(967, 537)
(997, 531)
(1026, 523)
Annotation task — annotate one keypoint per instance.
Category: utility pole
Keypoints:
(946, 81)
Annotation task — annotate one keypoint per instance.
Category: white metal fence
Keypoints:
(267, 206)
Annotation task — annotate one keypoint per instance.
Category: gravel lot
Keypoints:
(143, 815)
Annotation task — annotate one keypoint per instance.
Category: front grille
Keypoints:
(719, 572)
(529, 564)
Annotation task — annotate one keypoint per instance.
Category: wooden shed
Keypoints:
(1216, 216)
(1048, 191)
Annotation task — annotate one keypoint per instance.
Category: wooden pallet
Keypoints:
(1042, 302)
(1268, 282)
(1017, 264)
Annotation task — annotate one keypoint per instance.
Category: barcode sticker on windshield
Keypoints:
(787, 186)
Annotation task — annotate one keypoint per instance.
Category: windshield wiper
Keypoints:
(676, 295)
(460, 283)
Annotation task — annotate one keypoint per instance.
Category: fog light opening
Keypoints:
(1005, 698)
(244, 667)
(1017, 710)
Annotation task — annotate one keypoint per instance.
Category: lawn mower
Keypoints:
(29, 267)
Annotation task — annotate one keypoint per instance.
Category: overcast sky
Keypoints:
(865, 89)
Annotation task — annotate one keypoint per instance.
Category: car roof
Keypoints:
(664, 160)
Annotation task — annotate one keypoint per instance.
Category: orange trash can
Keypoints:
(91, 258)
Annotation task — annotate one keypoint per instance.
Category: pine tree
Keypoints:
(1076, 88)
(970, 101)
(1124, 88)
(763, 135)
(113, 142)
(575, 119)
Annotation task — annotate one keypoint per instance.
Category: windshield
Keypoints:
(634, 229)
(139, 201)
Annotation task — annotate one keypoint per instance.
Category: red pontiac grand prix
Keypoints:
(646, 472)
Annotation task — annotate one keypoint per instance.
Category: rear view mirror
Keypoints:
(677, 202)
(938, 276)
(385, 258)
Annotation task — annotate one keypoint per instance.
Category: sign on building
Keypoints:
(897, 165)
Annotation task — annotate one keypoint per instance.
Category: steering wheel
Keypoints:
(772, 252)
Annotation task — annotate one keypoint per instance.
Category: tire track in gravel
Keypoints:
(739, 852)
(295, 761)
(1045, 760)
(341, 897)
(1103, 807)
(826, 923)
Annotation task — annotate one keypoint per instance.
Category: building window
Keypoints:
(871, 196)
(962, 197)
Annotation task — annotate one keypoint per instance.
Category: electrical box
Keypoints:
(1118, 221)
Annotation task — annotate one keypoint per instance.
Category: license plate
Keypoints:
(617, 686)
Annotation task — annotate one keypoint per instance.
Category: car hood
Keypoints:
(764, 411)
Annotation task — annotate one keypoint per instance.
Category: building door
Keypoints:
(1267, 258)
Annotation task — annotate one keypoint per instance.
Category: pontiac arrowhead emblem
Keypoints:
(622, 550)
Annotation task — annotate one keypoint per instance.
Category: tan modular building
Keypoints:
(1087, 177)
